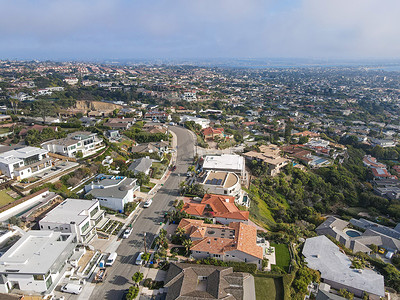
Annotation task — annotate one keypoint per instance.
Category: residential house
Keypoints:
(153, 147)
(204, 123)
(36, 262)
(225, 162)
(74, 216)
(88, 121)
(335, 267)
(210, 133)
(189, 96)
(236, 242)
(24, 131)
(194, 282)
(71, 80)
(271, 156)
(113, 191)
(155, 129)
(220, 182)
(357, 241)
(142, 164)
(221, 208)
(383, 143)
(82, 141)
(25, 162)
(158, 115)
(120, 123)
(113, 135)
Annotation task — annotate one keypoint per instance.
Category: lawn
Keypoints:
(158, 170)
(282, 256)
(5, 198)
(268, 288)
(146, 188)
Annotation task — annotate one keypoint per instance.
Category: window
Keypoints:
(48, 227)
(38, 277)
(85, 227)
(225, 192)
(94, 211)
(41, 226)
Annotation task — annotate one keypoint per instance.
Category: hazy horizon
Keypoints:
(207, 29)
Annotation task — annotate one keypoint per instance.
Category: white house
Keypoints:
(82, 141)
(204, 123)
(36, 262)
(225, 162)
(74, 216)
(189, 96)
(221, 183)
(113, 191)
(24, 162)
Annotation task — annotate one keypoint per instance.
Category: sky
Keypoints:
(199, 29)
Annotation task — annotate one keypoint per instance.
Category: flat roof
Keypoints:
(323, 255)
(35, 252)
(15, 155)
(70, 210)
(224, 162)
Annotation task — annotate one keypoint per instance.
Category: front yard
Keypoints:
(146, 188)
(158, 170)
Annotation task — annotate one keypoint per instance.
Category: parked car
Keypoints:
(139, 259)
(148, 203)
(127, 233)
(72, 288)
(111, 259)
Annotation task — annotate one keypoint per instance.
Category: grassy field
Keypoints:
(147, 188)
(282, 256)
(269, 288)
(5, 198)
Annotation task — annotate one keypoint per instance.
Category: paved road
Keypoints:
(119, 276)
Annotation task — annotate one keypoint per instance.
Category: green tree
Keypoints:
(43, 108)
(137, 277)
(180, 232)
(187, 243)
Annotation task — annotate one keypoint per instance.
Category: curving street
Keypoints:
(119, 275)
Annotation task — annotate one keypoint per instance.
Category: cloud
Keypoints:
(200, 28)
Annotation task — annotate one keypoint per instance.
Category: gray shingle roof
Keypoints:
(184, 282)
(323, 255)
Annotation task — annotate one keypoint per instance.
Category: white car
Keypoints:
(127, 233)
(139, 259)
(72, 288)
(148, 203)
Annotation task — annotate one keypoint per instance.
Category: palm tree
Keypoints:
(180, 232)
(187, 243)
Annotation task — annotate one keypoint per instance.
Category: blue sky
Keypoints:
(122, 29)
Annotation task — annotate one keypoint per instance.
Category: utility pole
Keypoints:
(144, 236)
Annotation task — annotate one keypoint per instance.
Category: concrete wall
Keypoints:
(27, 283)
(20, 207)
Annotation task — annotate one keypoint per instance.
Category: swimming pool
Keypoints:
(352, 233)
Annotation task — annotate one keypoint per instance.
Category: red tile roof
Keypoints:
(244, 238)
